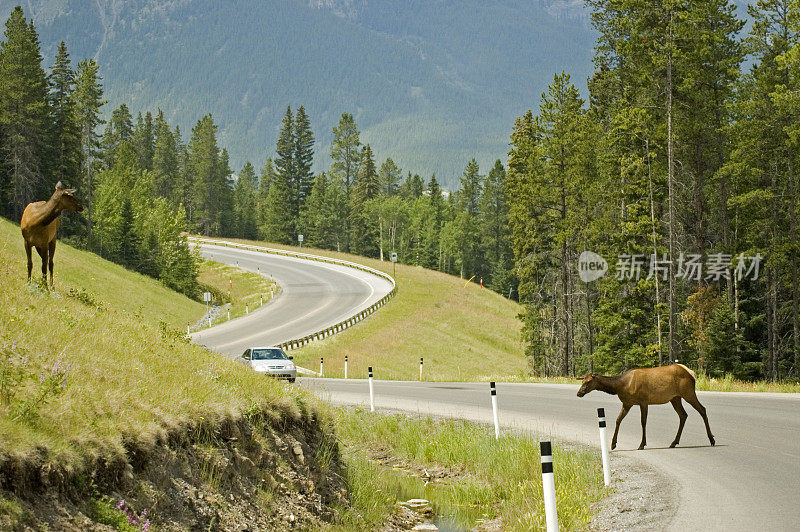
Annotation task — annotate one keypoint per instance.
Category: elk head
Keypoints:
(66, 199)
(589, 384)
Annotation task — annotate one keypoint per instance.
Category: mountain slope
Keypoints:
(430, 84)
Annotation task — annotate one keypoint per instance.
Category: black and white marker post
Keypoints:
(321, 360)
(345, 366)
(371, 392)
(601, 418)
(420, 368)
(494, 411)
(549, 487)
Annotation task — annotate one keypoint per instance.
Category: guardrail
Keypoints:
(335, 328)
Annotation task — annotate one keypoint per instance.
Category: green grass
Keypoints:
(245, 291)
(132, 376)
(481, 478)
(462, 331)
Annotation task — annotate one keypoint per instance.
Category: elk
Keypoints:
(650, 386)
(40, 226)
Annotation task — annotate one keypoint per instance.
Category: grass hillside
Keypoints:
(462, 331)
(99, 364)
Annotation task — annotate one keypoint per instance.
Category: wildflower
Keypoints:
(146, 525)
(121, 504)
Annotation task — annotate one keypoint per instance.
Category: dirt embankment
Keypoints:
(257, 472)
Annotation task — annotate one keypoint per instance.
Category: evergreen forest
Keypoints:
(678, 170)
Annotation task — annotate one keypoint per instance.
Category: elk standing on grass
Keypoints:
(40, 226)
(650, 386)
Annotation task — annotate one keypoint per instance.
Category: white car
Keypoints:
(270, 360)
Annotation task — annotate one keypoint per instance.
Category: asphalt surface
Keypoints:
(313, 296)
(749, 481)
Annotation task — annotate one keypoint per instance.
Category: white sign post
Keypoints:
(394, 262)
(207, 299)
(300, 240)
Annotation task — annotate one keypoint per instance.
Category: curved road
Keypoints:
(313, 296)
(750, 481)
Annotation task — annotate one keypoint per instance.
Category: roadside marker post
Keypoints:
(420, 368)
(601, 418)
(321, 360)
(494, 410)
(247, 308)
(549, 487)
(229, 314)
(345, 366)
(187, 329)
(261, 301)
(371, 392)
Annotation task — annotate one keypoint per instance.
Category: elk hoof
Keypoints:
(673, 444)
(613, 445)
(713, 442)
(641, 446)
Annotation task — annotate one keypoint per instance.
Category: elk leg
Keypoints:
(52, 249)
(620, 417)
(28, 247)
(682, 415)
(700, 408)
(643, 409)
(43, 254)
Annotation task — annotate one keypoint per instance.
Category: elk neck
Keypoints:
(607, 384)
(50, 211)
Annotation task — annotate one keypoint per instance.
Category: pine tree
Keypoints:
(494, 230)
(143, 138)
(205, 172)
(303, 157)
(346, 154)
(284, 161)
(166, 168)
(23, 116)
(88, 98)
(389, 177)
(364, 235)
(245, 210)
(119, 128)
(65, 136)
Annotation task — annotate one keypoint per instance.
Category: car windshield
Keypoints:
(268, 354)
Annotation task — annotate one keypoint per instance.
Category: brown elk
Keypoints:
(650, 386)
(40, 226)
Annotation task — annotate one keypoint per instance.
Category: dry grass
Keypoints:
(462, 331)
(132, 376)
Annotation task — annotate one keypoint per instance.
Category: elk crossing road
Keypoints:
(749, 481)
(313, 295)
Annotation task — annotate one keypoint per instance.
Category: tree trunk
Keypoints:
(655, 253)
(793, 260)
(673, 347)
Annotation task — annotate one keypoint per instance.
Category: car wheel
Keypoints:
(291, 379)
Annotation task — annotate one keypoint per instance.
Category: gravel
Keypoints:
(640, 498)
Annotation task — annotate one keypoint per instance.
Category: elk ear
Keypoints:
(59, 186)
(71, 191)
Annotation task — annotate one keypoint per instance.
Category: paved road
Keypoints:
(313, 296)
(749, 481)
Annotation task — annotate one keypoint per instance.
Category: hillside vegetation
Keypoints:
(101, 395)
(462, 331)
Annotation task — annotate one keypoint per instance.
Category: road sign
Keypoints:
(394, 256)
(299, 238)
(206, 296)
